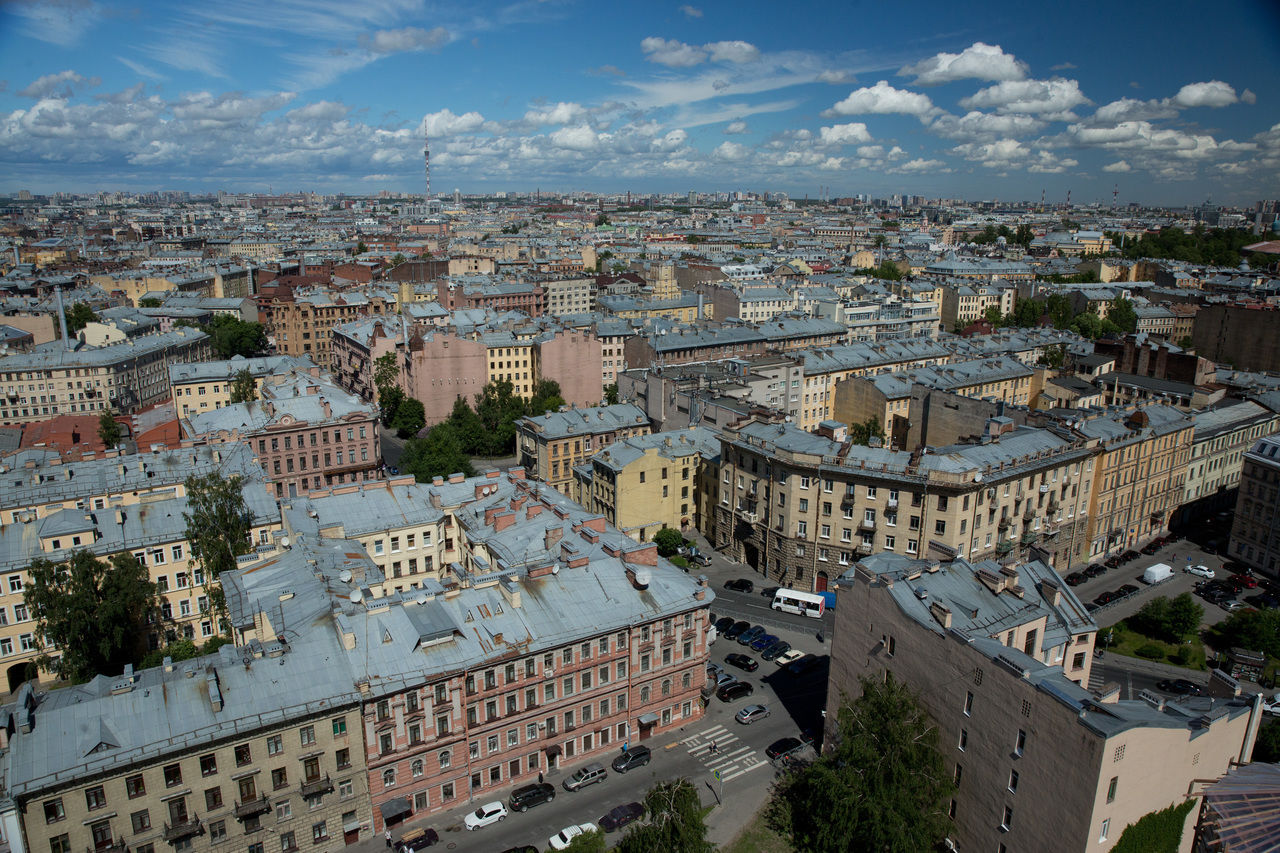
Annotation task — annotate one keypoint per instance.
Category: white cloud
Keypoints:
(736, 52)
(561, 113)
(730, 151)
(1054, 98)
(205, 111)
(1062, 66)
(1118, 166)
(1248, 97)
(1131, 109)
(140, 69)
(691, 11)
(319, 111)
(844, 134)
(579, 138)
(404, 39)
(835, 76)
(979, 125)
(921, 165)
(60, 22)
(445, 123)
(994, 155)
(735, 127)
(1142, 136)
(1215, 93)
(672, 53)
(883, 98)
(978, 61)
(1048, 163)
(61, 85)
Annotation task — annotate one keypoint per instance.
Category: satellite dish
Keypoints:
(555, 568)
(977, 477)
(643, 576)
(284, 541)
(345, 576)
(356, 596)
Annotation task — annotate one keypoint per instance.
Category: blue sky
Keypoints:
(1167, 101)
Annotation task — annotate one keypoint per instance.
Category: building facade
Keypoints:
(1255, 531)
(551, 445)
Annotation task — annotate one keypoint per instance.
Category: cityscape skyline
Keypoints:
(703, 97)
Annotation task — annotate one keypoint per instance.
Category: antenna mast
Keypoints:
(426, 161)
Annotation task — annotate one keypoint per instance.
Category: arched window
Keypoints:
(416, 768)
(388, 777)
(686, 681)
(666, 687)
(444, 758)
(644, 694)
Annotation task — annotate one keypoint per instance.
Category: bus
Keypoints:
(794, 601)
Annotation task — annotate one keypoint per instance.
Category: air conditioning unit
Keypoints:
(542, 725)
(751, 516)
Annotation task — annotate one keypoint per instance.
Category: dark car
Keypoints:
(636, 756)
(523, 848)
(1152, 547)
(770, 591)
(1075, 579)
(1094, 570)
(1126, 590)
(776, 649)
(764, 641)
(1129, 556)
(1180, 686)
(522, 799)
(750, 635)
(1112, 562)
(723, 624)
(1105, 598)
(701, 560)
(736, 690)
(735, 629)
(739, 585)
(785, 746)
(620, 816)
(742, 662)
(803, 665)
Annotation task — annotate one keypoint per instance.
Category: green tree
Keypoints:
(1184, 617)
(389, 400)
(882, 786)
(231, 336)
(863, 433)
(467, 427)
(361, 248)
(78, 316)
(410, 418)
(1157, 832)
(1023, 236)
(1086, 325)
(668, 542)
(93, 612)
(499, 408)
(546, 398)
(108, 430)
(1059, 309)
(1122, 314)
(386, 371)
(437, 454)
(602, 220)
(149, 302)
(1185, 342)
(611, 394)
(397, 259)
(218, 520)
(1266, 748)
(588, 842)
(1257, 630)
(1055, 356)
(244, 388)
(674, 824)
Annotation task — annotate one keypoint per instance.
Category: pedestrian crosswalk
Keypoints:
(718, 748)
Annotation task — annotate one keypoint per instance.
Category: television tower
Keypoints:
(426, 161)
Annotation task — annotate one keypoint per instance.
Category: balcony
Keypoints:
(115, 846)
(1004, 523)
(1028, 536)
(183, 829)
(867, 525)
(249, 808)
(893, 503)
(864, 548)
(317, 786)
(1029, 513)
(1004, 546)
(1044, 489)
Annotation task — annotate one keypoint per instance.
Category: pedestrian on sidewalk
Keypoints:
(387, 836)
(539, 777)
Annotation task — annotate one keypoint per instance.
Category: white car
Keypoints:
(1202, 571)
(485, 815)
(751, 713)
(561, 839)
(788, 657)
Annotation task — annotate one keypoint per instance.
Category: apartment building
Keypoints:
(306, 432)
(647, 482)
(964, 303)
(999, 657)
(484, 292)
(1219, 442)
(299, 322)
(825, 367)
(1255, 530)
(684, 308)
(551, 445)
(266, 751)
(206, 385)
(551, 639)
(52, 380)
(566, 296)
(1140, 476)
(801, 507)
(613, 338)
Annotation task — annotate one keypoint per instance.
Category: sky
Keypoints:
(1158, 103)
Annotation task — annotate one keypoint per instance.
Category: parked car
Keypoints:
(1075, 578)
(751, 713)
(1231, 605)
(784, 746)
(421, 838)
(524, 798)
(1200, 571)
(702, 560)
(788, 657)
(735, 629)
(564, 837)
(1126, 590)
(523, 848)
(724, 623)
(742, 662)
(714, 669)
(1129, 556)
(584, 776)
(739, 585)
(803, 665)
(620, 816)
(1098, 569)
(1180, 686)
(750, 635)
(485, 815)
(770, 591)
(724, 678)
(1243, 581)
(1266, 599)
(1151, 547)
(636, 756)
(1105, 599)
(776, 650)
(764, 641)
(734, 691)
(1112, 562)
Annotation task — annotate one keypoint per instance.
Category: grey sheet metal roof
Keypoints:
(585, 421)
(54, 355)
(297, 395)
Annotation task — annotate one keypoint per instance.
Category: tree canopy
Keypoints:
(1171, 621)
(437, 454)
(1257, 630)
(863, 433)
(92, 611)
(244, 388)
(611, 394)
(108, 430)
(674, 822)
(78, 316)
(409, 419)
(668, 541)
(883, 785)
(231, 336)
(1218, 246)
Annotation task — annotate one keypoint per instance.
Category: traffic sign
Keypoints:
(715, 774)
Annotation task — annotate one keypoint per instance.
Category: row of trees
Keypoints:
(230, 336)
(1022, 236)
(1121, 317)
(98, 613)
(1217, 246)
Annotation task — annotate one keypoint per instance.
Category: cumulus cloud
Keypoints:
(730, 151)
(737, 52)
(883, 98)
(920, 165)
(735, 127)
(844, 134)
(1131, 109)
(672, 53)
(1062, 66)
(977, 125)
(319, 111)
(978, 61)
(994, 155)
(1052, 98)
(404, 40)
(1142, 136)
(1248, 97)
(691, 11)
(561, 113)
(579, 138)
(1215, 93)
(1118, 166)
(832, 75)
(445, 123)
(1048, 163)
(61, 85)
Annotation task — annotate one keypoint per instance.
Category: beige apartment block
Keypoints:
(204, 386)
(551, 445)
(1255, 530)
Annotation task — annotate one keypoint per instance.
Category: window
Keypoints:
(342, 758)
(1013, 781)
(968, 703)
(319, 832)
(307, 735)
(1106, 828)
(1111, 789)
(172, 775)
(60, 844)
(388, 777)
(964, 740)
(208, 765)
(1008, 819)
(1021, 743)
(134, 786)
(340, 727)
(287, 840)
(274, 745)
(213, 798)
(53, 811)
(279, 778)
(217, 831)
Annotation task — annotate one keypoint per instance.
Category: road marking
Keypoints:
(745, 770)
(730, 758)
(719, 742)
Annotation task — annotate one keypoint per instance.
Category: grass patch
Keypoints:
(1131, 643)
(757, 837)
